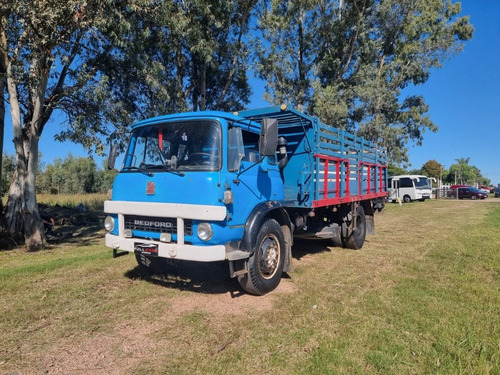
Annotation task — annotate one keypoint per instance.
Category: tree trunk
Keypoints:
(23, 218)
(203, 86)
(2, 127)
(3, 71)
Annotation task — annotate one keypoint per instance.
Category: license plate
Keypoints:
(148, 248)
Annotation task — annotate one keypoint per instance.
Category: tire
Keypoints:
(406, 199)
(337, 241)
(356, 239)
(265, 266)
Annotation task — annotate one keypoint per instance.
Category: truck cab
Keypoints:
(188, 186)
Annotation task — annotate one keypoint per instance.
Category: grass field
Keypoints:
(421, 297)
(90, 201)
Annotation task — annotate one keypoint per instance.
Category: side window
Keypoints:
(405, 182)
(235, 149)
(251, 143)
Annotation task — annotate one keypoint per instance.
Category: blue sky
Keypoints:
(464, 99)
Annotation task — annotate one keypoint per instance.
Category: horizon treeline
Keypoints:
(71, 175)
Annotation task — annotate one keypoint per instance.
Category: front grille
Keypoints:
(157, 224)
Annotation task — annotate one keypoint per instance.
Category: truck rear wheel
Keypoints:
(265, 266)
(356, 239)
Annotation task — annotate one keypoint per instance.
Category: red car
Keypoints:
(491, 189)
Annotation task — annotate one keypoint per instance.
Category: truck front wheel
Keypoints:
(265, 266)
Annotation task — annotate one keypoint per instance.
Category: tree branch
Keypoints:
(232, 73)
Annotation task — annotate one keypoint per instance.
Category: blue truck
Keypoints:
(239, 187)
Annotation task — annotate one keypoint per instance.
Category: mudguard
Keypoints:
(274, 210)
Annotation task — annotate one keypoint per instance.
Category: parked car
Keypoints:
(489, 189)
(484, 190)
(467, 192)
(458, 186)
(497, 191)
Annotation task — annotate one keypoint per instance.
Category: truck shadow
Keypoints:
(198, 277)
(212, 278)
(73, 234)
(303, 247)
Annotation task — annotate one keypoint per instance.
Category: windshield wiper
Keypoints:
(167, 168)
(140, 169)
(161, 168)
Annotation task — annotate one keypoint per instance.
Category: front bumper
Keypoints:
(170, 250)
(173, 250)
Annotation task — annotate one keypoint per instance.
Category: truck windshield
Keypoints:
(179, 146)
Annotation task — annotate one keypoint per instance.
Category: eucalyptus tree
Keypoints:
(3, 71)
(360, 56)
(183, 55)
(100, 65)
(214, 54)
(287, 48)
(51, 52)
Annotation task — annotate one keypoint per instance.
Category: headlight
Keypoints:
(109, 223)
(205, 231)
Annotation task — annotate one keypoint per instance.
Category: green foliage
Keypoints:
(50, 56)
(54, 50)
(415, 171)
(74, 176)
(464, 173)
(286, 53)
(349, 61)
(175, 56)
(432, 169)
(8, 167)
(394, 170)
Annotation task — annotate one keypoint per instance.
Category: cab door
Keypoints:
(257, 179)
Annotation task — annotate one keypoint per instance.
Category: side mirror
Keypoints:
(268, 137)
(112, 156)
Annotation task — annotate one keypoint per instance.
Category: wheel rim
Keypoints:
(269, 256)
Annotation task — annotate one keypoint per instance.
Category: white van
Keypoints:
(408, 188)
